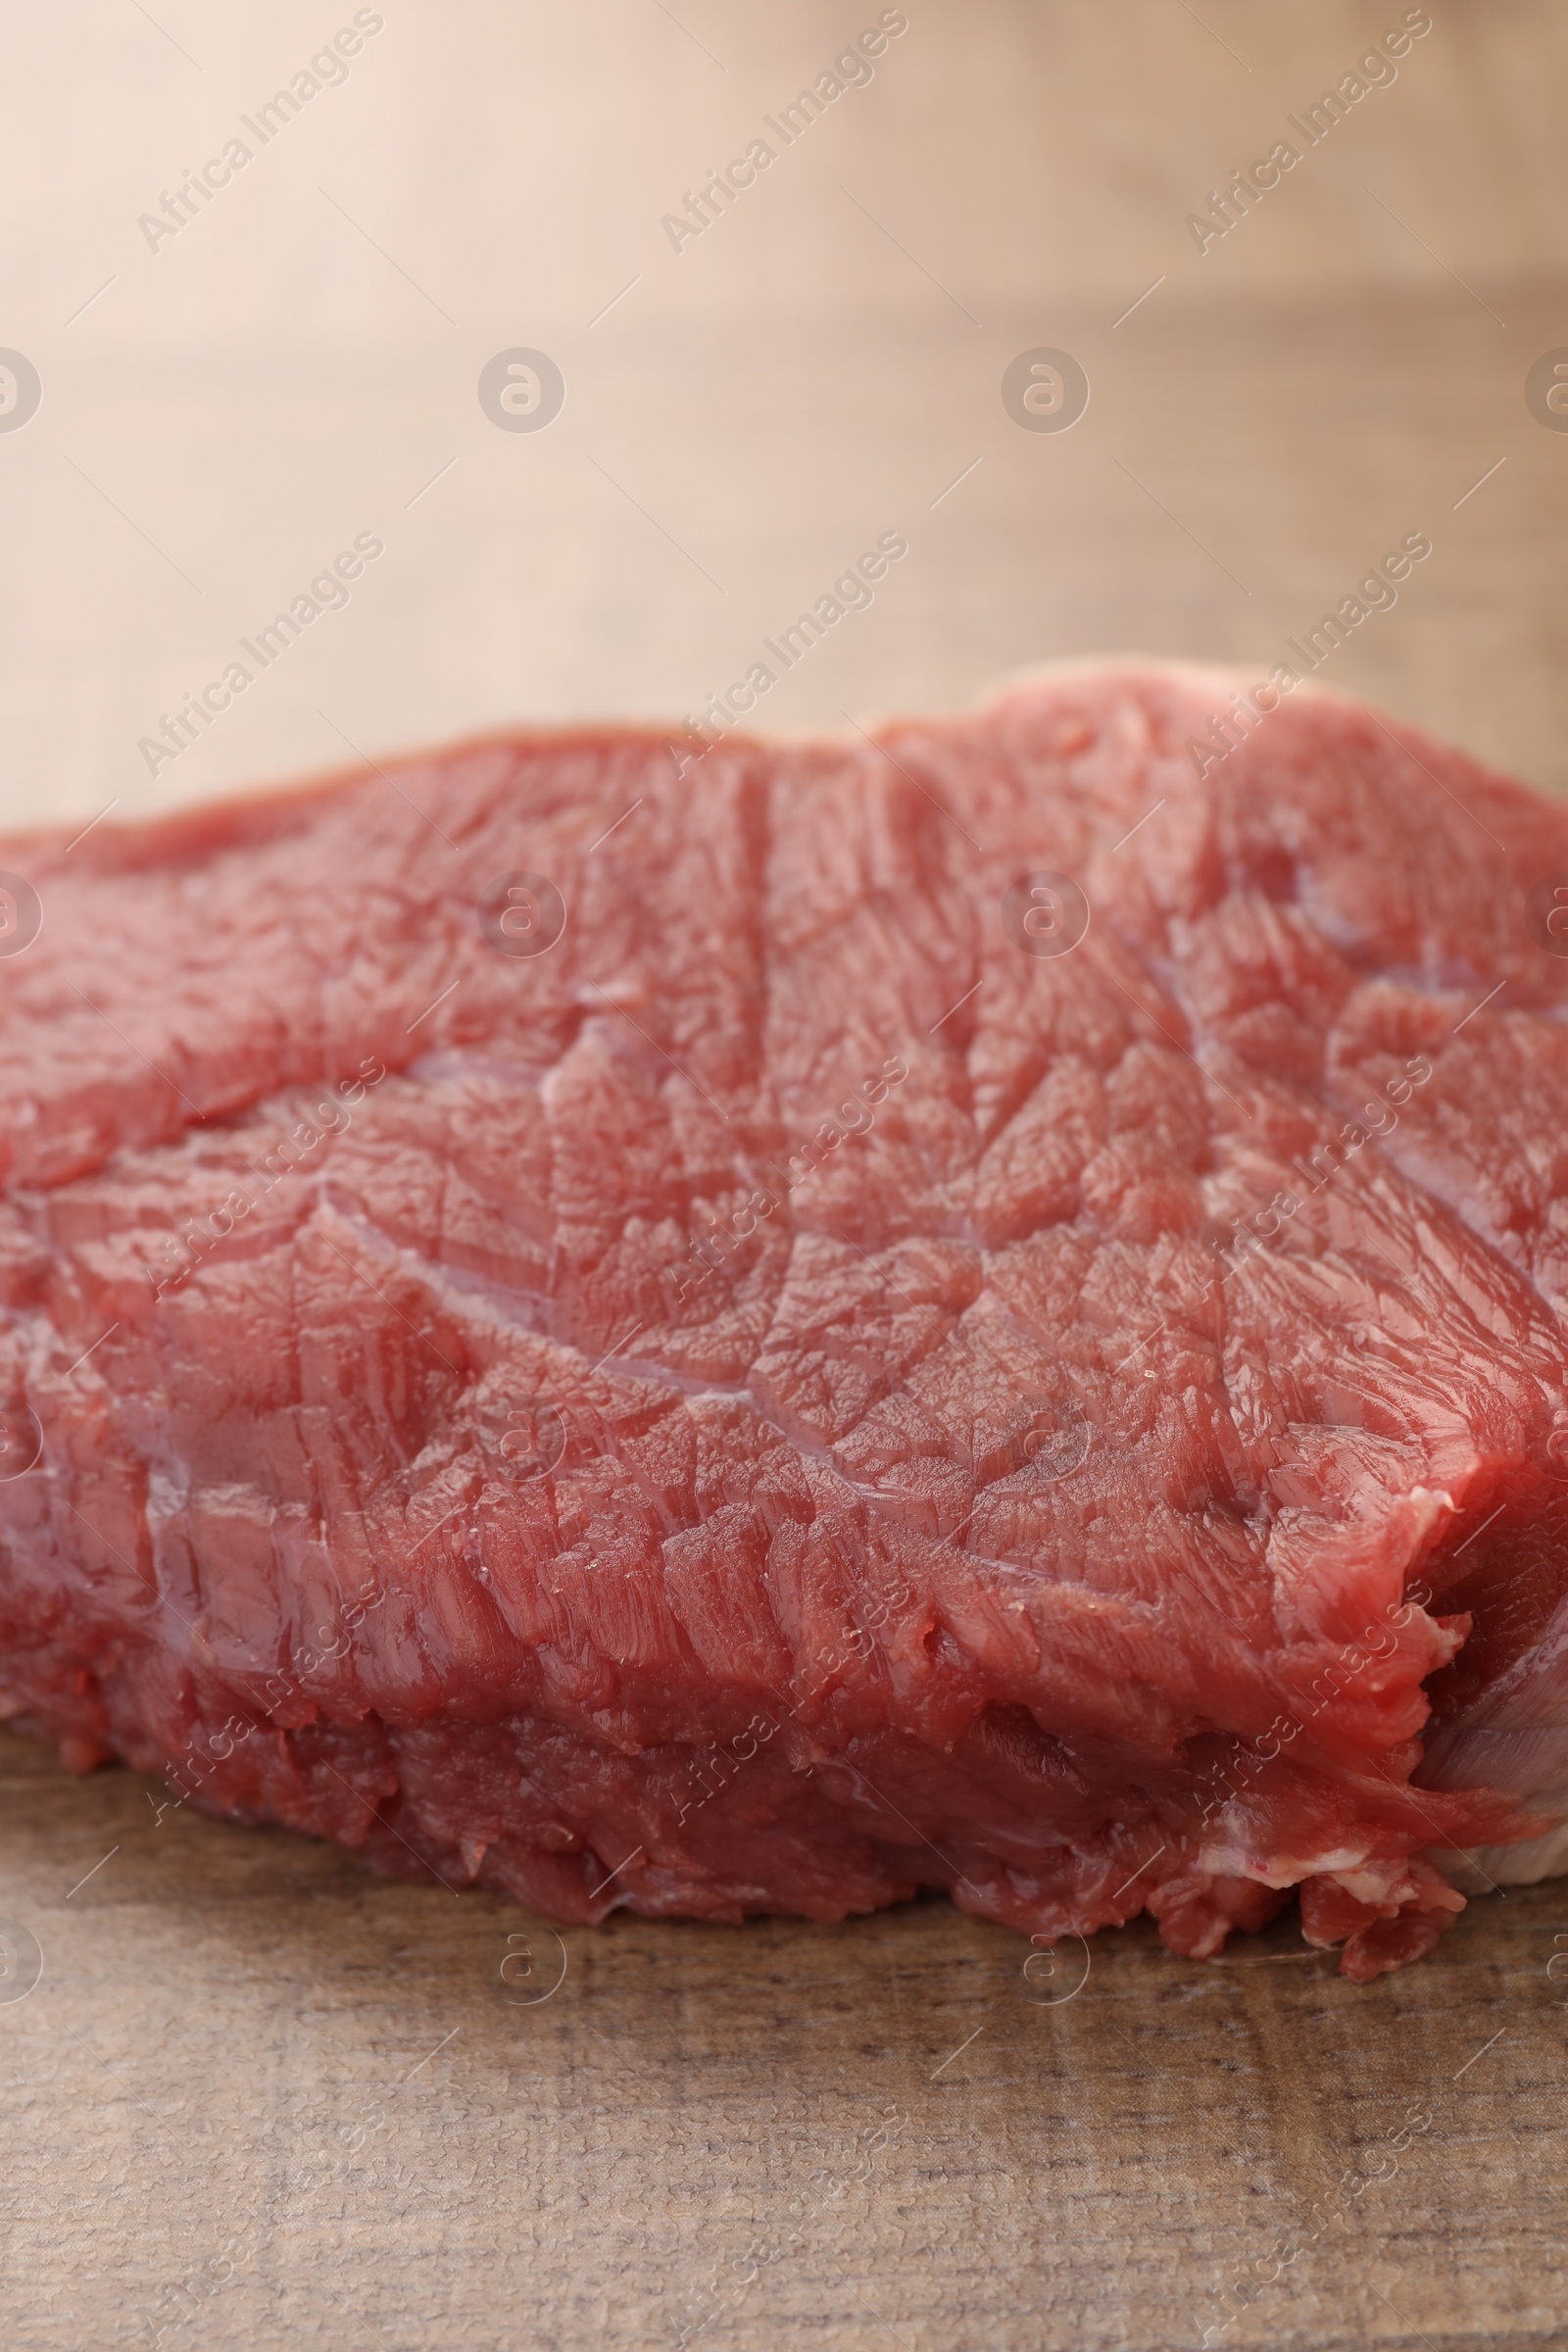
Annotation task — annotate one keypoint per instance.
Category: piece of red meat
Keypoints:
(756, 1327)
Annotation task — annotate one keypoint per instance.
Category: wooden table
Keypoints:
(258, 2098)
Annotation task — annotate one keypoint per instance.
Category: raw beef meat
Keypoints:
(728, 1327)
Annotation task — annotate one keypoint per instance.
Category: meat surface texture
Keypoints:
(750, 1327)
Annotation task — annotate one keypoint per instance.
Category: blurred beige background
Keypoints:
(300, 362)
(259, 2098)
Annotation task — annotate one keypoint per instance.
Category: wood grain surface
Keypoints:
(257, 2097)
